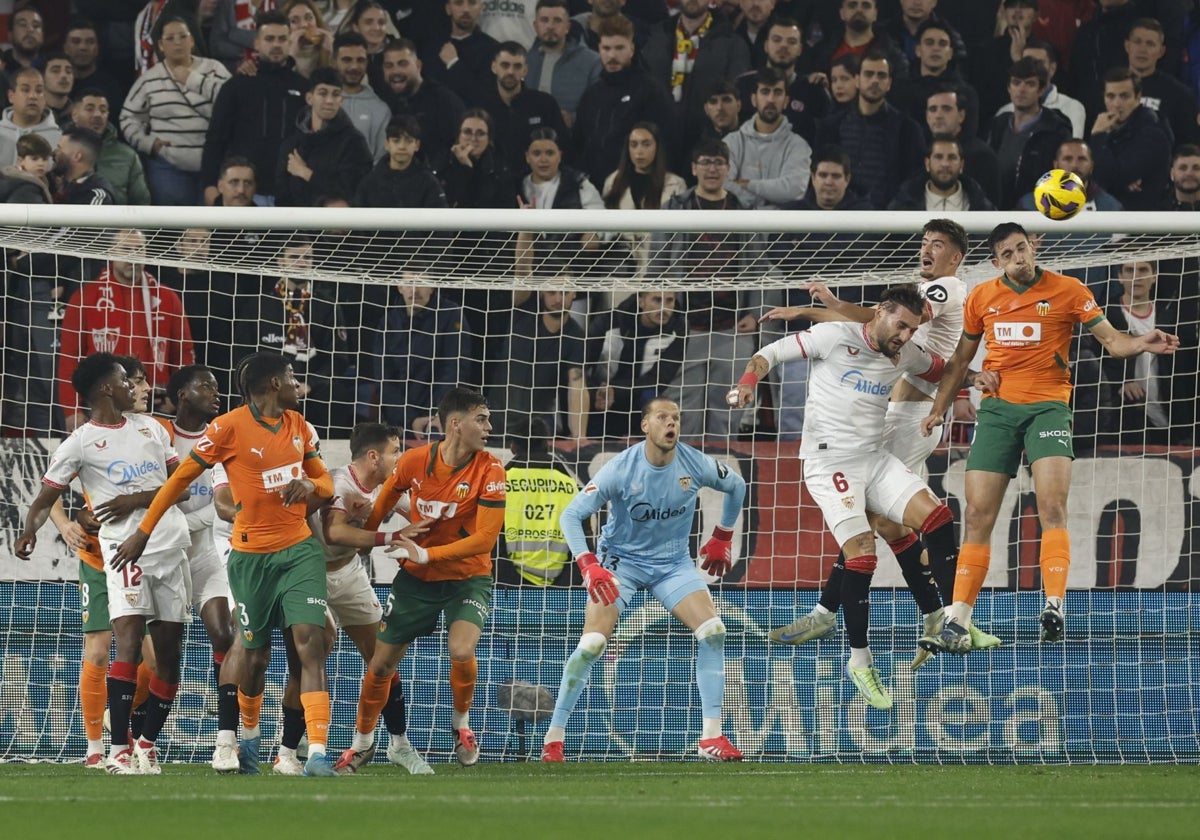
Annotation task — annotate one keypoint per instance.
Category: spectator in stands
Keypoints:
(27, 36)
(509, 22)
(843, 81)
(234, 37)
(1053, 98)
(75, 177)
(367, 112)
(59, 77)
(515, 108)
(592, 23)
(544, 360)
(722, 111)
(326, 154)
(419, 351)
(829, 184)
(624, 95)
(237, 184)
(168, 113)
(885, 145)
(637, 354)
(1100, 43)
(373, 22)
(337, 14)
(475, 175)
(27, 113)
(1076, 156)
(934, 71)
(310, 43)
(1147, 399)
(1185, 180)
(689, 54)
(303, 322)
(722, 325)
(944, 115)
(559, 63)
(860, 35)
(1162, 92)
(808, 101)
(641, 182)
(435, 106)
(905, 30)
(755, 21)
(82, 46)
(551, 185)
(1131, 146)
(401, 179)
(768, 163)
(464, 60)
(253, 114)
(1026, 140)
(28, 182)
(943, 188)
(209, 295)
(540, 486)
(124, 310)
(993, 61)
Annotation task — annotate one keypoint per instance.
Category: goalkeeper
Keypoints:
(652, 488)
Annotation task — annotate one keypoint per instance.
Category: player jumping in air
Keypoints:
(1027, 318)
(651, 489)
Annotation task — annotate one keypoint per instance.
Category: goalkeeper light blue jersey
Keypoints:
(650, 519)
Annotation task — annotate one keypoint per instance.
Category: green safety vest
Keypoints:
(537, 496)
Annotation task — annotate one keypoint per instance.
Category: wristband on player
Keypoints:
(384, 537)
(723, 534)
(749, 378)
(587, 560)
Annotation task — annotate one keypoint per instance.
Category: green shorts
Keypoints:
(278, 589)
(413, 605)
(1003, 429)
(93, 599)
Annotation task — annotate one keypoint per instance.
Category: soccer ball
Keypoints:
(1059, 194)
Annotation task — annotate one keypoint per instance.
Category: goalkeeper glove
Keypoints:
(602, 584)
(717, 554)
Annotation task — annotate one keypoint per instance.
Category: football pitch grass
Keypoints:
(626, 801)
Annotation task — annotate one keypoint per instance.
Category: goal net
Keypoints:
(568, 321)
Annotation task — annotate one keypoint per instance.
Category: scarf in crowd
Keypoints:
(295, 318)
(686, 47)
(146, 57)
(244, 12)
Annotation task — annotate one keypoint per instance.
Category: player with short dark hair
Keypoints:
(457, 489)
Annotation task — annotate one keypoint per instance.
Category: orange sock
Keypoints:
(462, 682)
(142, 691)
(1055, 560)
(93, 696)
(973, 562)
(251, 709)
(371, 699)
(316, 716)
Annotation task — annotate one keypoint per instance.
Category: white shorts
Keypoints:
(902, 435)
(352, 599)
(847, 485)
(155, 586)
(205, 570)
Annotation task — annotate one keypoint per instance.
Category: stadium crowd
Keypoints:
(623, 104)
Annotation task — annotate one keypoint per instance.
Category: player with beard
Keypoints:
(651, 491)
(847, 468)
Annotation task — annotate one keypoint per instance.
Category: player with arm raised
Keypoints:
(652, 489)
(121, 461)
(944, 244)
(847, 470)
(1026, 317)
(458, 489)
(374, 451)
(276, 567)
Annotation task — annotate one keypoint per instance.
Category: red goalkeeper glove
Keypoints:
(716, 555)
(602, 584)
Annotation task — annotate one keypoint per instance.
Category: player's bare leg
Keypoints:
(1051, 486)
(461, 641)
(225, 752)
(214, 613)
(311, 641)
(373, 696)
(599, 621)
(699, 614)
(287, 760)
(250, 697)
(167, 638)
(141, 693)
(93, 693)
(128, 631)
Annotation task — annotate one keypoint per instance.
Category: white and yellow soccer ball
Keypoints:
(1059, 194)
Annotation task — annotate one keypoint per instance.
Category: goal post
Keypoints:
(1124, 687)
